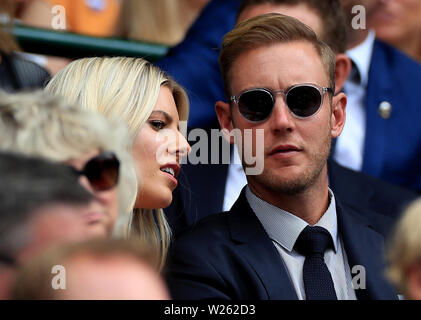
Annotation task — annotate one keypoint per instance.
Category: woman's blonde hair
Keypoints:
(124, 89)
(404, 247)
(39, 124)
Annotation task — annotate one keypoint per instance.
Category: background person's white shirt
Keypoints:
(349, 149)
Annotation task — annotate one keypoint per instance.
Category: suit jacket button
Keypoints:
(385, 109)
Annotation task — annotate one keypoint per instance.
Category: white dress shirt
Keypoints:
(283, 228)
(236, 180)
(349, 150)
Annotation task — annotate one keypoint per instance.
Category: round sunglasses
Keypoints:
(303, 100)
(101, 171)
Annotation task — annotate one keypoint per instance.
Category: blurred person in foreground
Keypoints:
(404, 253)
(95, 270)
(42, 125)
(41, 204)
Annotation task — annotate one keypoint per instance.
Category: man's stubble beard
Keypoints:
(295, 185)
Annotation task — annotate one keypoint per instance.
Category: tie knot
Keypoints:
(313, 240)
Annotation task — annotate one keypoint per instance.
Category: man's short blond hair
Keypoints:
(266, 30)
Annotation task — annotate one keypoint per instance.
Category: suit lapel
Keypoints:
(204, 190)
(365, 247)
(258, 250)
(379, 89)
(347, 187)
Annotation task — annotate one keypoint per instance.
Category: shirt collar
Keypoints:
(284, 227)
(235, 158)
(361, 55)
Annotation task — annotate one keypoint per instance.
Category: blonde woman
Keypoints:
(150, 103)
(404, 253)
(38, 124)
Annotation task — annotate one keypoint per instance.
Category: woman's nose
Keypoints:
(179, 146)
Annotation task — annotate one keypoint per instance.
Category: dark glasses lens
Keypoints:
(304, 101)
(102, 171)
(257, 104)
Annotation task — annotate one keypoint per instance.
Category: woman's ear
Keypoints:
(342, 70)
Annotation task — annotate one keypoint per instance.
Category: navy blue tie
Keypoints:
(312, 243)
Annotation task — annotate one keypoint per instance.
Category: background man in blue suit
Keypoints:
(286, 237)
(381, 138)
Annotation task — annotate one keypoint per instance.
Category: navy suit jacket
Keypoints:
(392, 147)
(229, 256)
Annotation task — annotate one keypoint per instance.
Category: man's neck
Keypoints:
(309, 204)
(356, 37)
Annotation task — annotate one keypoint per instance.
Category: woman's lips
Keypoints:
(171, 177)
(171, 170)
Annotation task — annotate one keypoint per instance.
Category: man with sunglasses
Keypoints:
(287, 236)
(192, 201)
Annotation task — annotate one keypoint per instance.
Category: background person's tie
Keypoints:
(312, 243)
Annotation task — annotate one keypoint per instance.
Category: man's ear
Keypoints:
(342, 70)
(338, 114)
(223, 113)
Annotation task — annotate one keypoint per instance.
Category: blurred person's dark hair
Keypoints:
(34, 281)
(330, 12)
(27, 185)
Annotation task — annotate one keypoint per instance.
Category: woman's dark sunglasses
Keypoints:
(102, 171)
(303, 100)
